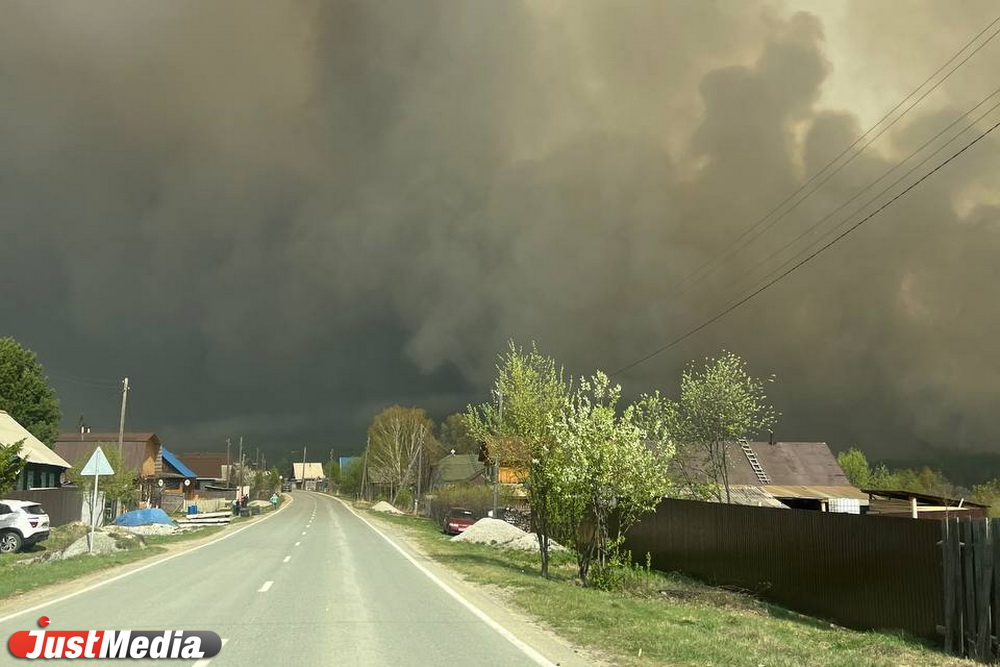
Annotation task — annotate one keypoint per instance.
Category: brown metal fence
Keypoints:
(63, 505)
(857, 571)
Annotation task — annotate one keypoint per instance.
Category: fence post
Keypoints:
(968, 589)
(948, 568)
(984, 581)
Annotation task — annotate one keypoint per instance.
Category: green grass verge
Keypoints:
(18, 576)
(666, 619)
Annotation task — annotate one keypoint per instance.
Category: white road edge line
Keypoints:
(287, 558)
(535, 656)
(154, 563)
(204, 662)
(266, 587)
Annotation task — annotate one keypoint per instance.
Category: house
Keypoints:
(41, 479)
(309, 475)
(44, 468)
(175, 475)
(210, 468)
(140, 451)
(458, 469)
(801, 475)
(895, 502)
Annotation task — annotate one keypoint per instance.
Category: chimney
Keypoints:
(770, 437)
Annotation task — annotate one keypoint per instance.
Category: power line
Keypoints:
(807, 259)
(735, 245)
(913, 154)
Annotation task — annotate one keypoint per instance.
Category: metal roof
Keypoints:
(79, 446)
(900, 494)
(787, 464)
(816, 492)
(176, 464)
(753, 496)
(456, 468)
(33, 450)
(312, 471)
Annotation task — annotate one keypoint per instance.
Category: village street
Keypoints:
(309, 585)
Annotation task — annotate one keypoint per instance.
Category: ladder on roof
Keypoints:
(755, 465)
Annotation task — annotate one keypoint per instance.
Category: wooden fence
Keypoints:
(971, 584)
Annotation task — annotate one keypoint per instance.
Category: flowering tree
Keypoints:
(719, 404)
(609, 468)
(517, 427)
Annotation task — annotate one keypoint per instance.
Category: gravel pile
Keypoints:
(490, 531)
(502, 534)
(382, 506)
(529, 542)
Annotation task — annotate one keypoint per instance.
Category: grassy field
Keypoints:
(665, 619)
(18, 576)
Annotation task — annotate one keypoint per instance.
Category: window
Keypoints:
(4, 509)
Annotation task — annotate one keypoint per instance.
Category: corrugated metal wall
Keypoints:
(63, 505)
(857, 571)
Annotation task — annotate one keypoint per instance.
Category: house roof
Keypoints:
(900, 494)
(816, 492)
(78, 447)
(787, 464)
(754, 496)
(33, 450)
(176, 464)
(312, 471)
(456, 468)
(205, 465)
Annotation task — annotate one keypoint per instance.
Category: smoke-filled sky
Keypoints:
(278, 217)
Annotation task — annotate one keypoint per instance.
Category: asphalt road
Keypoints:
(310, 585)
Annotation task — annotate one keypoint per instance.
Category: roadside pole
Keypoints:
(97, 465)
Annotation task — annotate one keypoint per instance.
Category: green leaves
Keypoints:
(118, 487)
(25, 392)
(11, 465)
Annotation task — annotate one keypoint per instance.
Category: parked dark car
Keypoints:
(457, 520)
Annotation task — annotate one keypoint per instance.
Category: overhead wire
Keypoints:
(809, 257)
(870, 185)
(735, 245)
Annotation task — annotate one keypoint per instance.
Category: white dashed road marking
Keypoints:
(265, 587)
(287, 558)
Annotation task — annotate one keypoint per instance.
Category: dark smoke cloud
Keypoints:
(279, 217)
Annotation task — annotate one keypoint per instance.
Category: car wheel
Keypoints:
(10, 542)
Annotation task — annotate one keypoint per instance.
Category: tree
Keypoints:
(454, 435)
(611, 467)
(25, 392)
(350, 477)
(720, 403)
(855, 466)
(11, 465)
(120, 486)
(517, 426)
(395, 436)
(988, 493)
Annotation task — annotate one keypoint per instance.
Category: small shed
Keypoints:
(902, 503)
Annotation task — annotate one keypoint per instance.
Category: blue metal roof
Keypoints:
(176, 464)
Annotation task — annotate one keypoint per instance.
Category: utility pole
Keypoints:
(229, 464)
(364, 469)
(121, 422)
(303, 467)
(240, 492)
(496, 465)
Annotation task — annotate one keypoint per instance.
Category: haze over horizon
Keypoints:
(278, 218)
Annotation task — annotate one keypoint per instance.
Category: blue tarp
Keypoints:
(143, 518)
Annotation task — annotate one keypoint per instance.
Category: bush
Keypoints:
(479, 499)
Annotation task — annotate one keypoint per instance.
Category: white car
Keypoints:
(22, 523)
